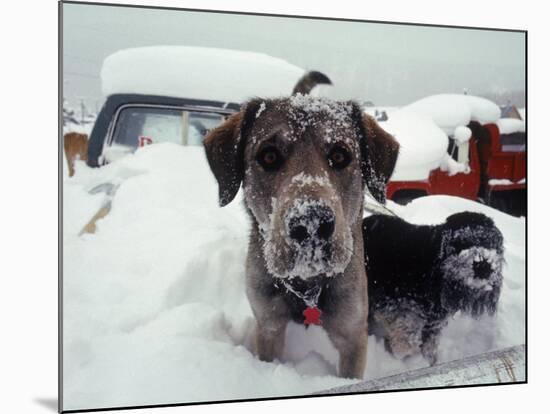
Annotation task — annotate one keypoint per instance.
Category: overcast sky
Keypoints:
(387, 64)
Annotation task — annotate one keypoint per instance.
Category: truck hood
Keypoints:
(422, 144)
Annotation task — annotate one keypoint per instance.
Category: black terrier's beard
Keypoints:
(472, 281)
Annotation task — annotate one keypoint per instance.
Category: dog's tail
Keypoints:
(309, 81)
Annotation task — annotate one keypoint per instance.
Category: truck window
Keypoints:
(139, 126)
(514, 142)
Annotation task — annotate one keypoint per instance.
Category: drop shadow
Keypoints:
(49, 403)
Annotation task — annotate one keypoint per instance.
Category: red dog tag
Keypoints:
(312, 315)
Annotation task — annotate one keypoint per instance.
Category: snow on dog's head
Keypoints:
(304, 163)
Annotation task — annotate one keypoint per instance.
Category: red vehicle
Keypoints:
(495, 173)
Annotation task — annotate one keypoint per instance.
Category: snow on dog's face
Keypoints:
(471, 262)
(304, 163)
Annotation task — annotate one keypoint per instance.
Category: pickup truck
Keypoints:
(176, 94)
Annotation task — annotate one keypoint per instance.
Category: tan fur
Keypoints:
(76, 148)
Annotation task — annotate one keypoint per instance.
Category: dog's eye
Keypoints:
(270, 159)
(339, 158)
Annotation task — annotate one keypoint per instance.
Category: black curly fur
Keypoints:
(421, 275)
(309, 81)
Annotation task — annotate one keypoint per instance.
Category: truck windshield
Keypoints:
(138, 126)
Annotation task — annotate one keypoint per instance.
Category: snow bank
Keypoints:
(198, 73)
(451, 110)
(423, 144)
(154, 303)
(155, 309)
(79, 128)
(510, 125)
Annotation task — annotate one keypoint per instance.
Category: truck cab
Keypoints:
(476, 155)
(176, 94)
(130, 121)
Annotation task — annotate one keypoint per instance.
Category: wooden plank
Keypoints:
(109, 189)
(90, 227)
(502, 366)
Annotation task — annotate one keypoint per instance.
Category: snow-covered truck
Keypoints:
(171, 94)
(178, 93)
(458, 145)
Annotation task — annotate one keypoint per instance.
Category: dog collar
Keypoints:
(312, 313)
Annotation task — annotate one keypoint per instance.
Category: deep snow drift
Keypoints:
(154, 303)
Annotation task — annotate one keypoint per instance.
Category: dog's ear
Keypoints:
(224, 148)
(379, 152)
(224, 154)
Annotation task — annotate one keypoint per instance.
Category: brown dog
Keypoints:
(304, 163)
(76, 148)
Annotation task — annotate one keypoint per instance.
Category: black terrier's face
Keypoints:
(471, 264)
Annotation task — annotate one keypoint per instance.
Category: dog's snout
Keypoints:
(312, 222)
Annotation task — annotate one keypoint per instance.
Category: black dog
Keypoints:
(419, 276)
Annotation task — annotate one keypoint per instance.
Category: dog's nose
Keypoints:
(482, 269)
(313, 222)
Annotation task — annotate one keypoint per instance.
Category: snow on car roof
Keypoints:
(198, 73)
(422, 144)
(449, 111)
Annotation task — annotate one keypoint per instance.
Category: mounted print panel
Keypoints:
(264, 206)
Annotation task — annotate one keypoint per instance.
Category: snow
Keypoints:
(423, 145)
(155, 309)
(510, 125)
(503, 181)
(304, 109)
(198, 73)
(115, 152)
(376, 111)
(422, 128)
(85, 129)
(302, 179)
(449, 111)
(339, 111)
(453, 167)
(311, 259)
(462, 134)
(522, 113)
(260, 110)
(460, 267)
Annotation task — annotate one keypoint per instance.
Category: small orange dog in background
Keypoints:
(76, 148)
